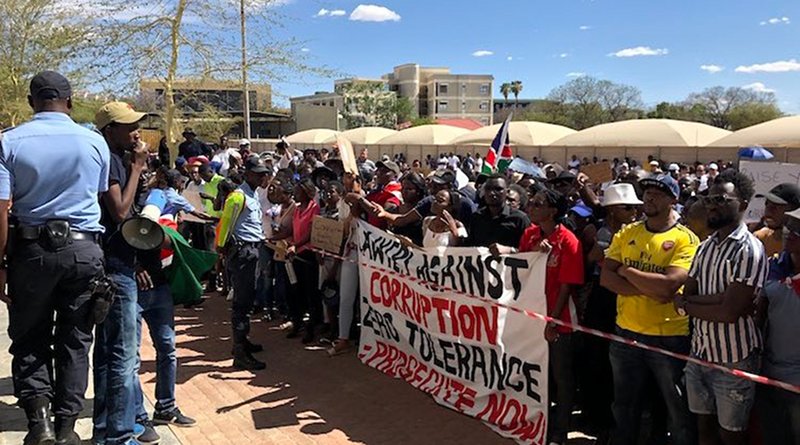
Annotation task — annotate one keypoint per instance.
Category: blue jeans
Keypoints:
(729, 398)
(115, 361)
(630, 367)
(158, 311)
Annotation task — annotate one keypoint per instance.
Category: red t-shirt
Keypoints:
(390, 194)
(564, 266)
(301, 225)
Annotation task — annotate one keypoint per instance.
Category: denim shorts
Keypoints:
(711, 391)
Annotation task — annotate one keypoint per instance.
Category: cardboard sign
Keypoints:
(766, 175)
(470, 355)
(193, 196)
(327, 234)
(347, 155)
(598, 173)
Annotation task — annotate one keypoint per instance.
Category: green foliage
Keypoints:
(83, 110)
(748, 114)
(505, 90)
(369, 104)
(516, 88)
(210, 123)
(417, 121)
(586, 101)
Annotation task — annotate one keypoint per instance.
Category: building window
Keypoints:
(485, 88)
(441, 106)
(463, 87)
(484, 106)
(442, 88)
(463, 106)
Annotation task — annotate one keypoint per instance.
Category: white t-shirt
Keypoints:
(443, 239)
(269, 212)
(575, 163)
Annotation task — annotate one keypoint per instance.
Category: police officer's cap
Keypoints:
(50, 85)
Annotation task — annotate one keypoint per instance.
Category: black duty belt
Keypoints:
(33, 233)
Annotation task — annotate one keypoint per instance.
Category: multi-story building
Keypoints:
(438, 94)
(319, 110)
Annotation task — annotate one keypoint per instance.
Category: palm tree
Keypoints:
(516, 88)
(505, 90)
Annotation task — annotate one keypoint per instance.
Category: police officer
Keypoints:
(242, 251)
(53, 169)
(116, 346)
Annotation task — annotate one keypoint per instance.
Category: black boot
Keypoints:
(65, 432)
(249, 347)
(244, 360)
(40, 427)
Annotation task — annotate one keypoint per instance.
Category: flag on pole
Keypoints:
(499, 155)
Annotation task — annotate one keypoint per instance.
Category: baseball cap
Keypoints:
(253, 164)
(783, 194)
(713, 166)
(116, 113)
(582, 210)
(50, 85)
(654, 163)
(443, 177)
(388, 165)
(243, 142)
(665, 183)
(673, 167)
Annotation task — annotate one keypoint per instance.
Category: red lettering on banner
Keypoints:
(471, 322)
(499, 408)
(398, 295)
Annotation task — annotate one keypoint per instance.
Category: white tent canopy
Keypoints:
(645, 133)
(424, 135)
(519, 133)
(364, 135)
(781, 132)
(314, 136)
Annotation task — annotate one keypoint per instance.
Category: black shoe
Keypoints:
(309, 337)
(65, 432)
(173, 417)
(245, 361)
(257, 310)
(149, 436)
(249, 347)
(40, 427)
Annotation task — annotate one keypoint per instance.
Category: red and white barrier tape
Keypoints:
(738, 373)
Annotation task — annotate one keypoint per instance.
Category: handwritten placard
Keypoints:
(767, 175)
(327, 234)
(598, 173)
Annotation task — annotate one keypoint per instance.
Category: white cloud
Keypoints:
(510, 58)
(776, 21)
(584, 27)
(338, 13)
(576, 74)
(758, 87)
(781, 66)
(640, 51)
(322, 12)
(482, 53)
(374, 13)
(305, 50)
(713, 69)
(563, 55)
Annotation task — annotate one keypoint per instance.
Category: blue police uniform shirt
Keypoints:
(176, 202)
(248, 226)
(54, 168)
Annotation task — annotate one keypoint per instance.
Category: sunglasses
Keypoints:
(716, 200)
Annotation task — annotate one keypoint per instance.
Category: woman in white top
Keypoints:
(442, 230)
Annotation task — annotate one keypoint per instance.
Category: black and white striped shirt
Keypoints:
(738, 258)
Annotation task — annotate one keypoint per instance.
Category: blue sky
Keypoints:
(666, 48)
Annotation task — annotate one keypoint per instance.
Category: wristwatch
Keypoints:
(680, 306)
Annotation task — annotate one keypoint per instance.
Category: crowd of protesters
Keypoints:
(659, 255)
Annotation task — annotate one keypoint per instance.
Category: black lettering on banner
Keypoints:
(495, 290)
(514, 264)
(475, 276)
(381, 324)
(447, 273)
(462, 358)
(447, 353)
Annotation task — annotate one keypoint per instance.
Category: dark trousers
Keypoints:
(780, 415)
(305, 293)
(242, 269)
(631, 367)
(562, 386)
(50, 309)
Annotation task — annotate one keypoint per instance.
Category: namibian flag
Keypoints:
(499, 155)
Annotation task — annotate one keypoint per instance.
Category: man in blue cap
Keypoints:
(53, 258)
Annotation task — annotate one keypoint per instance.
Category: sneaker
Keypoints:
(174, 417)
(249, 347)
(230, 296)
(138, 429)
(149, 436)
(341, 346)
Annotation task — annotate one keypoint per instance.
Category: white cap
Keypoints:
(673, 167)
(625, 165)
(621, 193)
(243, 141)
(654, 163)
(713, 166)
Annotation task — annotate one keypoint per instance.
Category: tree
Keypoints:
(369, 104)
(516, 88)
(748, 114)
(505, 90)
(718, 104)
(38, 35)
(587, 101)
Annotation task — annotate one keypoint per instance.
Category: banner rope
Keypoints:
(576, 327)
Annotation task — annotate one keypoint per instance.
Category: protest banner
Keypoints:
(327, 234)
(433, 317)
(766, 175)
(598, 173)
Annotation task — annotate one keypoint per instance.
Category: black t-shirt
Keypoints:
(194, 148)
(506, 228)
(113, 243)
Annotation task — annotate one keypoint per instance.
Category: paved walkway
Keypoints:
(303, 397)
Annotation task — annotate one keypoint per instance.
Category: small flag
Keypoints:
(499, 155)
